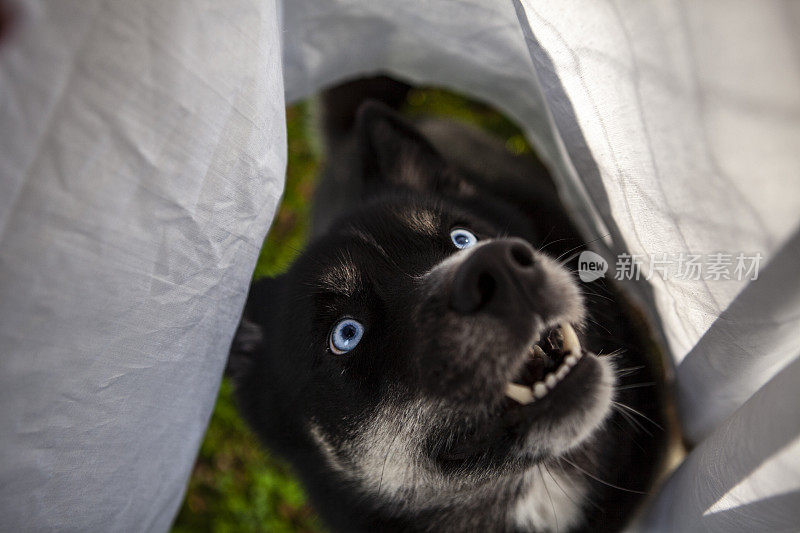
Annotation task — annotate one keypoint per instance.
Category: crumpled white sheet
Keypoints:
(142, 153)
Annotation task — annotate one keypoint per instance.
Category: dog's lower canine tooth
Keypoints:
(519, 393)
(537, 350)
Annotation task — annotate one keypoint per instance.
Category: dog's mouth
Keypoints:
(550, 360)
(557, 380)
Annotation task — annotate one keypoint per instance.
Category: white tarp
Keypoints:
(141, 157)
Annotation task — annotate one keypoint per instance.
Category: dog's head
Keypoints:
(421, 349)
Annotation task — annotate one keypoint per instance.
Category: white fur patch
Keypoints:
(551, 503)
(343, 277)
(386, 457)
(421, 221)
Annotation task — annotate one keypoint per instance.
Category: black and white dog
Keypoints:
(422, 365)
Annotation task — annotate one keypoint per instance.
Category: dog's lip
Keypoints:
(570, 354)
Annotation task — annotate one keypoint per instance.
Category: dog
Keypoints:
(429, 362)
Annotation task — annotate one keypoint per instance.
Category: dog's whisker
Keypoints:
(635, 424)
(624, 372)
(555, 480)
(547, 490)
(541, 246)
(586, 290)
(635, 385)
(639, 413)
(558, 259)
(600, 480)
(569, 480)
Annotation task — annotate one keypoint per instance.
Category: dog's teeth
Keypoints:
(571, 342)
(572, 351)
(519, 393)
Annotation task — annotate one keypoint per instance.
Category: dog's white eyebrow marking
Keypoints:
(420, 221)
(366, 238)
(341, 277)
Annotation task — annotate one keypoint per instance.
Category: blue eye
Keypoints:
(345, 335)
(463, 238)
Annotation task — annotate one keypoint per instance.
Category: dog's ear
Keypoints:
(394, 152)
(249, 337)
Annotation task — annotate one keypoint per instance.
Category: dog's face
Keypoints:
(422, 348)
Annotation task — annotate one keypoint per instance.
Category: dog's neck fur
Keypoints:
(400, 480)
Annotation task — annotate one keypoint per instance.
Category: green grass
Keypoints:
(236, 484)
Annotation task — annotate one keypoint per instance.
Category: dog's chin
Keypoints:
(569, 413)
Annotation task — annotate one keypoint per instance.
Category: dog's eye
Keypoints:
(345, 335)
(462, 238)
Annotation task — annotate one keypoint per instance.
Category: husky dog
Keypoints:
(422, 365)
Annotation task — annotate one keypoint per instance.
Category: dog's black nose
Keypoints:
(491, 275)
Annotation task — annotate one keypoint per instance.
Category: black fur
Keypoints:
(423, 390)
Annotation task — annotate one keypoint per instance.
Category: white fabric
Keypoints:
(745, 476)
(141, 150)
(142, 154)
